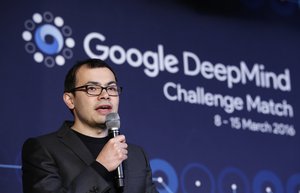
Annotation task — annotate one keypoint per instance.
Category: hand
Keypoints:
(113, 153)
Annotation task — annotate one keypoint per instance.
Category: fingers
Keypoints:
(120, 146)
(119, 142)
(120, 138)
(113, 153)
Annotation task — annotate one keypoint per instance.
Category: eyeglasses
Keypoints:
(96, 90)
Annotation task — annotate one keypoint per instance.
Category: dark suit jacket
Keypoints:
(60, 163)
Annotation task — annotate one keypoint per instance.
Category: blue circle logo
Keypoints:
(197, 178)
(267, 181)
(167, 178)
(48, 39)
(233, 180)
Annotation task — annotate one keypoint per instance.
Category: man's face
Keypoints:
(92, 110)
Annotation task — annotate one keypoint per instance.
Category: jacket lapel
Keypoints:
(71, 140)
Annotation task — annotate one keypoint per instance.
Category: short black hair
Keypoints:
(70, 79)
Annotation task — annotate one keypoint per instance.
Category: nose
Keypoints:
(103, 94)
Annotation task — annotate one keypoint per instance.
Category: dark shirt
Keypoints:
(95, 145)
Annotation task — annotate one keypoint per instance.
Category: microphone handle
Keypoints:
(113, 132)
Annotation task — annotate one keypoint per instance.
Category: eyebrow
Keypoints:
(97, 83)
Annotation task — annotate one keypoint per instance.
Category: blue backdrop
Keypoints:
(210, 88)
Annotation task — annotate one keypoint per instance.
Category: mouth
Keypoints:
(104, 109)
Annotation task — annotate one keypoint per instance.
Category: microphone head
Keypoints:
(112, 120)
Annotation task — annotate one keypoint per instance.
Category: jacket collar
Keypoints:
(71, 140)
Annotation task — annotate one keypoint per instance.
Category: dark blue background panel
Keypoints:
(210, 87)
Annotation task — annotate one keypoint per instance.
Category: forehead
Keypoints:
(102, 75)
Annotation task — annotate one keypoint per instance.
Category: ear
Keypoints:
(69, 100)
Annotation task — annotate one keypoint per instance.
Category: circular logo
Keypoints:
(48, 39)
(167, 178)
(267, 181)
(197, 178)
(233, 180)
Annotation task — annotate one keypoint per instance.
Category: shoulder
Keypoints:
(137, 153)
(48, 138)
(42, 139)
(135, 148)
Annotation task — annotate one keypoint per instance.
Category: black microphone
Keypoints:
(113, 124)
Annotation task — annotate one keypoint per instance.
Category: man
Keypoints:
(80, 157)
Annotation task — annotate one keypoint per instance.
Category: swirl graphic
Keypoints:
(49, 39)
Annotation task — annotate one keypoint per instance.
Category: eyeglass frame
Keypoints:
(84, 88)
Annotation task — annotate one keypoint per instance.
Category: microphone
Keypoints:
(113, 124)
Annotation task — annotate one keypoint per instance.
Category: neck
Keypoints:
(99, 131)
